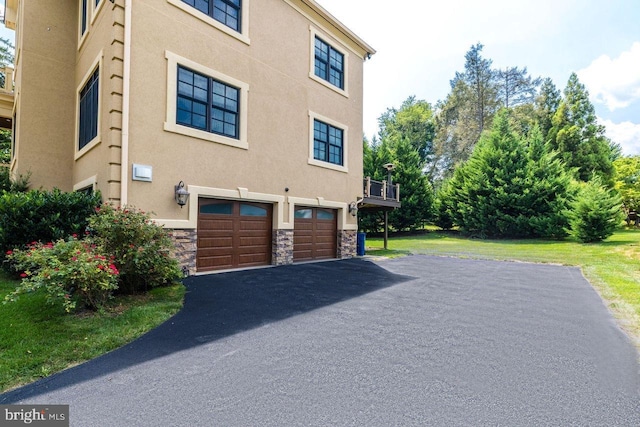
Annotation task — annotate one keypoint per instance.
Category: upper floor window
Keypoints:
(88, 110)
(327, 143)
(84, 18)
(329, 63)
(207, 104)
(88, 12)
(226, 12)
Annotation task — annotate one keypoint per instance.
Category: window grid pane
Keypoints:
(207, 104)
(327, 143)
(226, 12)
(329, 64)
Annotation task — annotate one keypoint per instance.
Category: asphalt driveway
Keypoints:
(422, 341)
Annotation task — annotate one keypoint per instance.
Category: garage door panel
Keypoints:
(217, 224)
(215, 242)
(315, 234)
(260, 226)
(215, 262)
(233, 234)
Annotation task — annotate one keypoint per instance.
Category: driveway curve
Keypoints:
(413, 341)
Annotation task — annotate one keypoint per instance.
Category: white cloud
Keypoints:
(614, 82)
(626, 134)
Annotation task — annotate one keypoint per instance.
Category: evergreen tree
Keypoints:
(546, 105)
(550, 191)
(415, 189)
(405, 141)
(516, 87)
(510, 187)
(577, 136)
(466, 112)
(596, 212)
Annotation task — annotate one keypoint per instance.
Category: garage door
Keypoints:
(315, 234)
(233, 234)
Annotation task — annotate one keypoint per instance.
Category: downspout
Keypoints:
(126, 77)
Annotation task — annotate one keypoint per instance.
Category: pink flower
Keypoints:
(74, 235)
(23, 275)
(9, 252)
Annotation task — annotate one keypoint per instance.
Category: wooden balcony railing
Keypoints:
(381, 190)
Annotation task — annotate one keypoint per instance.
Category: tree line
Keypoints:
(505, 154)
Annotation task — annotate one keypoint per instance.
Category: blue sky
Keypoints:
(421, 44)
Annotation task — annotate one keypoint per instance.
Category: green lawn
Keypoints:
(37, 340)
(612, 267)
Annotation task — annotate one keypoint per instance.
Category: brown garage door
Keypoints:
(315, 234)
(233, 234)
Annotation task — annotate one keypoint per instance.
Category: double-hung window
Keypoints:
(329, 63)
(88, 111)
(226, 12)
(207, 104)
(328, 143)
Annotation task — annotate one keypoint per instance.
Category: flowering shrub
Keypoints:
(70, 271)
(141, 248)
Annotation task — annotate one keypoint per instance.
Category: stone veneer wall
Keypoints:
(186, 244)
(347, 241)
(282, 247)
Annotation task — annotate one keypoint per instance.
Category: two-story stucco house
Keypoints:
(254, 105)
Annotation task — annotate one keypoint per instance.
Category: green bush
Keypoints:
(43, 216)
(596, 212)
(17, 185)
(141, 249)
(70, 272)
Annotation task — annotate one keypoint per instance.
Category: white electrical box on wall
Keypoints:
(142, 173)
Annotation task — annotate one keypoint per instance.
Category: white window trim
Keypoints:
(86, 183)
(83, 36)
(345, 138)
(97, 63)
(96, 9)
(312, 63)
(170, 124)
(92, 12)
(244, 24)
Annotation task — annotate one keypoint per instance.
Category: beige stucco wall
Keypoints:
(273, 58)
(44, 93)
(52, 62)
(102, 44)
(276, 66)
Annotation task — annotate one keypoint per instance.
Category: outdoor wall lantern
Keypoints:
(353, 208)
(182, 195)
